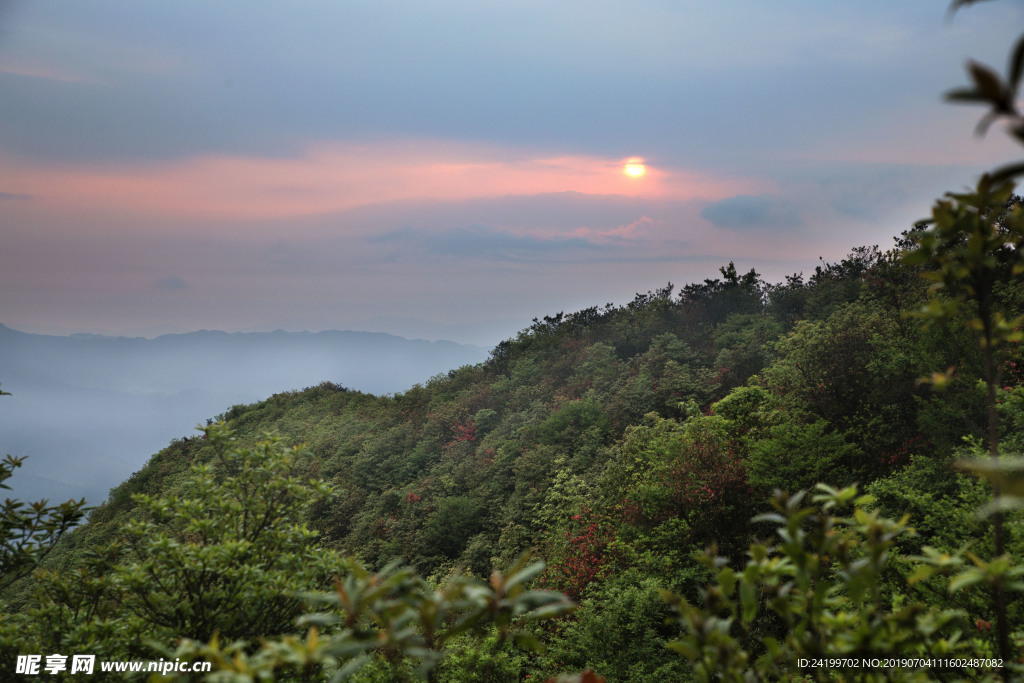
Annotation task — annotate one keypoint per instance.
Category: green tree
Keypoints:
(816, 593)
(29, 531)
(393, 616)
(450, 526)
(226, 555)
(620, 632)
(973, 239)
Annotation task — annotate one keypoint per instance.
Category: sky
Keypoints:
(454, 168)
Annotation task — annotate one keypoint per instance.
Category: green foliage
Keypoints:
(226, 557)
(941, 502)
(579, 426)
(620, 632)
(665, 471)
(794, 455)
(744, 346)
(841, 283)
(817, 593)
(857, 371)
(1006, 476)
(488, 658)
(734, 294)
(742, 408)
(972, 239)
(393, 615)
(944, 503)
(29, 531)
(450, 526)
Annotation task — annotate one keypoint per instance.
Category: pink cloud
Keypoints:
(43, 72)
(629, 231)
(335, 177)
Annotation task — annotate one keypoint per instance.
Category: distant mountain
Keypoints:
(89, 410)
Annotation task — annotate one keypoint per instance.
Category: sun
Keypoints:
(634, 168)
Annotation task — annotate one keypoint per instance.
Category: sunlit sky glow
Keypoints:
(453, 169)
(635, 168)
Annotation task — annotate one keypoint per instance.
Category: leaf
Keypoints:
(990, 85)
(684, 648)
(968, 578)
(727, 579)
(985, 122)
(965, 95)
(350, 668)
(1002, 504)
(1008, 171)
(1006, 473)
(773, 517)
(1017, 131)
(548, 611)
(524, 575)
(748, 598)
(922, 573)
(528, 641)
(957, 4)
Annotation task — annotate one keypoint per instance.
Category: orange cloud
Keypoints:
(334, 177)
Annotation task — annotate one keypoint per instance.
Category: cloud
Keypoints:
(481, 241)
(172, 282)
(14, 196)
(41, 72)
(332, 177)
(622, 233)
(746, 212)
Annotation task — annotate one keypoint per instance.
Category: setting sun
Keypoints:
(634, 168)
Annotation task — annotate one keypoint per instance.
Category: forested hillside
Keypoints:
(617, 442)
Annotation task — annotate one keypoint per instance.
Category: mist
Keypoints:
(89, 410)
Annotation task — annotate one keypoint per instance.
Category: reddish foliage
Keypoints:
(586, 553)
(706, 476)
(381, 527)
(632, 511)
(901, 455)
(464, 432)
(703, 483)
(721, 375)
(1012, 372)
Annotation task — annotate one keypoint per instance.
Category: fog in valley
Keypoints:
(89, 410)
